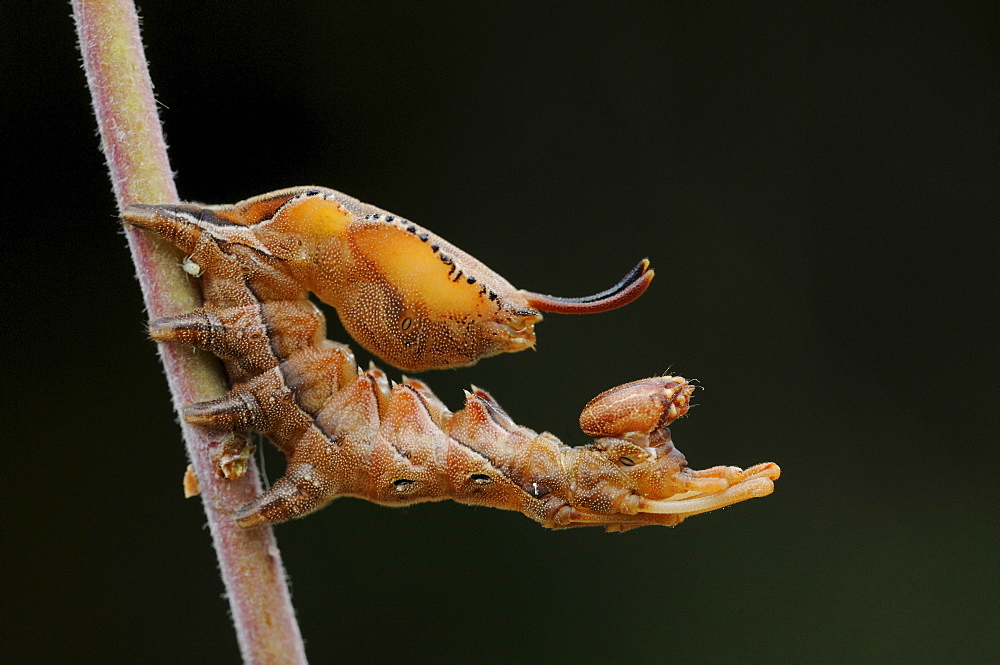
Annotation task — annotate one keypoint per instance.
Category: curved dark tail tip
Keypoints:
(628, 289)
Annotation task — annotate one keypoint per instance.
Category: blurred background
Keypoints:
(816, 186)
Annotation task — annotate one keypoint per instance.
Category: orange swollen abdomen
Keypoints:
(417, 302)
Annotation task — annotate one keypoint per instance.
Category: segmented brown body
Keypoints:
(419, 303)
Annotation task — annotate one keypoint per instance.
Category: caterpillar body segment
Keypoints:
(419, 303)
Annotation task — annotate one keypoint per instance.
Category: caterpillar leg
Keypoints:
(234, 411)
(719, 478)
(303, 489)
(569, 517)
(757, 481)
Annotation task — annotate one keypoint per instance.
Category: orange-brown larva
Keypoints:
(419, 303)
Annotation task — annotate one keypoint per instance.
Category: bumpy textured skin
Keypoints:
(419, 303)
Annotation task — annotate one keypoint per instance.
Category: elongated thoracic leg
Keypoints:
(757, 481)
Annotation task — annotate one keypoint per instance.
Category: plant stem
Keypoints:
(132, 141)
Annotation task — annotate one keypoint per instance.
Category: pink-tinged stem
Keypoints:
(132, 141)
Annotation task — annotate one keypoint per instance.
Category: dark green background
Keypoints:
(816, 187)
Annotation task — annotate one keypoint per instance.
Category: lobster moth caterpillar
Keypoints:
(418, 303)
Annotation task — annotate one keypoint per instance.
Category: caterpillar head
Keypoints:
(629, 423)
(638, 408)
